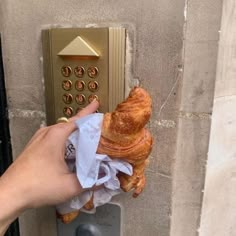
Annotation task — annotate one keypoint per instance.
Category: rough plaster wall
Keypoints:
(0, 18)
(219, 205)
(200, 57)
(156, 33)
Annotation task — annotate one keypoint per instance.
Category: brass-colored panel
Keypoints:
(84, 55)
(48, 75)
(117, 47)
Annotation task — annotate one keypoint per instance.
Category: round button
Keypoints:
(80, 99)
(66, 71)
(67, 98)
(88, 230)
(79, 71)
(92, 97)
(93, 86)
(66, 85)
(68, 111)
(92, 71)
(79, 85)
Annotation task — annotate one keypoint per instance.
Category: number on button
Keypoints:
(68, 111)
(67, 98)
(92, 97)
(93, 86)
(79, 71)
(79, 85)
(80, 99)
(92, 72)
(66, 85)
(66, 71)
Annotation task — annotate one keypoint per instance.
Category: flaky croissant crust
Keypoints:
(134, 152)
(123, 126)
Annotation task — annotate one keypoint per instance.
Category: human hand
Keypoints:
(40, 176)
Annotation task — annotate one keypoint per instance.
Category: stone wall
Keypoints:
(155, 31)
(200, 61)
(180, 82)
(219, 205)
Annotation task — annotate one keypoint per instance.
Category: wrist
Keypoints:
(11, 204)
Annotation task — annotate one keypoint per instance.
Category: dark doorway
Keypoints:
(5, 140)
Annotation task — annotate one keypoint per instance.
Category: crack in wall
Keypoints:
(21, 113)
(177, 78)
(158, 173)
(161, 123)
(186, 10)
(195, 115)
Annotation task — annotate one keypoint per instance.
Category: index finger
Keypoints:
(70, 126)
(91, 108)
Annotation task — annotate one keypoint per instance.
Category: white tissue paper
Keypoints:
(91, 168)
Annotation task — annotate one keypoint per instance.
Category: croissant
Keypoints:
(124, 137)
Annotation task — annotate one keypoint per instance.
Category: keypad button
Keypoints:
(79, 85)
(92, 97)
(79, 71)
(66, 71)
(93, 86)
(80, 99)
(67, 98)
(66, 85)
(92, 71)
(68, 111)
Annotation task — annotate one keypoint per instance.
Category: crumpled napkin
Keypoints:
(91, 168)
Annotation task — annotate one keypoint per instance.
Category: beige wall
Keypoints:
(156, 33)
(219, 202)
(200, 60)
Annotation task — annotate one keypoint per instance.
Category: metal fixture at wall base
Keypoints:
(105, 222)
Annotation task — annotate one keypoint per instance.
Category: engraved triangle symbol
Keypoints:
(78, 47)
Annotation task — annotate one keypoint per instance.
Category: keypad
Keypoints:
(80, 89)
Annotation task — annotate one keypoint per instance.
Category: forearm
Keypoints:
(40, 175)
(11, 204)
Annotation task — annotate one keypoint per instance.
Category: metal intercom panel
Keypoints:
(80, 65)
